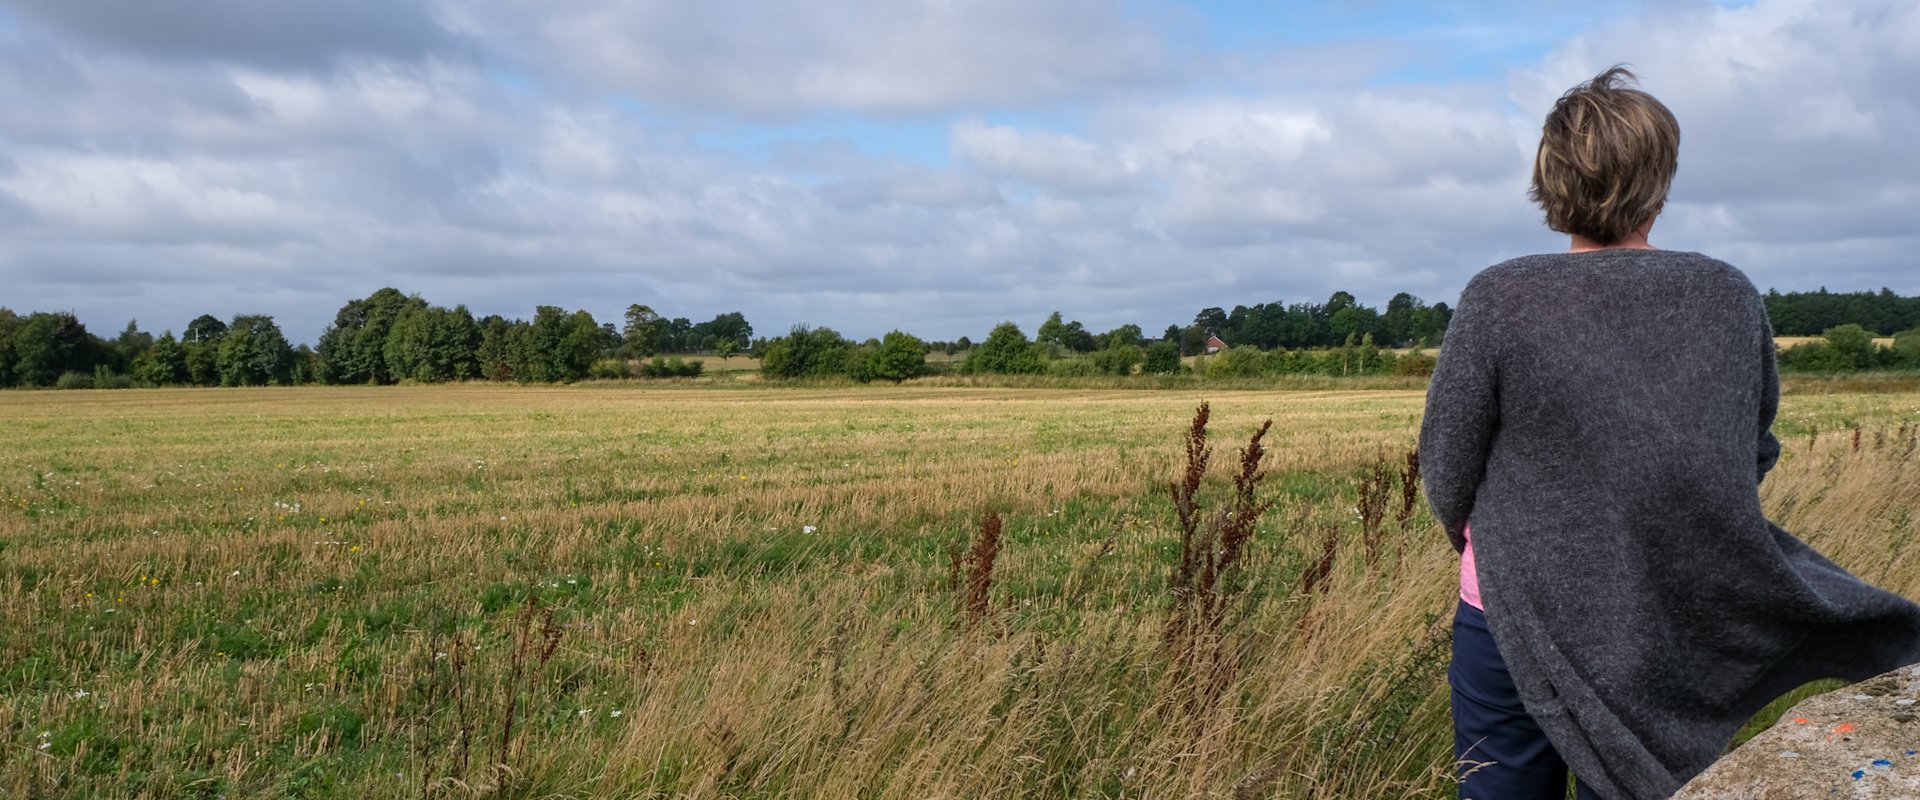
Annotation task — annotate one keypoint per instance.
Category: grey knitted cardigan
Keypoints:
(1603, 418)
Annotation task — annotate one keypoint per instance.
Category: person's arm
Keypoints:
(1769, 451)
(1463, 411)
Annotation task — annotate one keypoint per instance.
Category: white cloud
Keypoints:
(140, 180)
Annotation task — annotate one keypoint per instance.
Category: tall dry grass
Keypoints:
(332, 592)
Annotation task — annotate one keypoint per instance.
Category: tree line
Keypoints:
(389, 336)
(1338, 337)
(384, 338)
(1881, 313)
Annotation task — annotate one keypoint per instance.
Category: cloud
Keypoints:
(166, 177)
(1795, 120)
(883, 56)
(275, 34)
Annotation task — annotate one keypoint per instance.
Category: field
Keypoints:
(730, 590)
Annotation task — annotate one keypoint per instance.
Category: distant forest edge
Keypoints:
(389, 337)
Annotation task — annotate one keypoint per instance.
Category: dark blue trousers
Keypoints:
(1500, 752)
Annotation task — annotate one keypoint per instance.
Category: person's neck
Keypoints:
(1636, 240)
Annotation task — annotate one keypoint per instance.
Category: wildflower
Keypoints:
(234, 574)
(78, 694)
(808, 529)
(614, 713)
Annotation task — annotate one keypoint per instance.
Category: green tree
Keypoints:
(163, 364)
(129, 345)
(1052, 331)
(900, 356)
(1162, 358)
(353, 349)
(642, 335)
(1906, 347)
(204, 328)
(1852, 346)
(1128, 334)
(433, 344)
(48, 344)
(9, 323)
(494, 357)
(806, 352)
(726, 348)
(254, 353)
(1119, 357)
(1006, 351)
(557, 347)
(203, 362)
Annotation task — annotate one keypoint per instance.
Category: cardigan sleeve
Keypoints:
(1462, 413)
(1769, 445)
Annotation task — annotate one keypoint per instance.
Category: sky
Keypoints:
(935, 166)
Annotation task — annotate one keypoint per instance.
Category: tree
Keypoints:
(1852, 346)
(1052, 331)
(354, 348)
(1117, 358)
(1397, 322)
(162, 364)
(204, 328)
(724, 327)
(725, 348)
(1210, 321)
(1906, 347)
(433, 344)
(806, 352)
(557, 347)
(45, 345)
(1193, 341)
(495, 359)
(9, 323)
(900, 356)
(1006, 351)
(641, 337)
(1125, 334)
(254, 353)
(129, 345)
(1162, 358)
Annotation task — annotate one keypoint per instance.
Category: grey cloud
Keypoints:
(275, 34)
(888, 56)
(912, 186)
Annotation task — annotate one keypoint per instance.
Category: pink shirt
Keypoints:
(1469, 579)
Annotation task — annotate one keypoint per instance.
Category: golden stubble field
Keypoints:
(745, 592)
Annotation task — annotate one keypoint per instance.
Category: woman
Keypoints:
(1595, 435)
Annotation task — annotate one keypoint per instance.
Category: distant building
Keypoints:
(1214, 345)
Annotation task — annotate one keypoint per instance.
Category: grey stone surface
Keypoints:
(1860, 741)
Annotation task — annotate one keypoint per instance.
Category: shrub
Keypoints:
(1245, 361)
(1162, 358)
(1119, 359)
(900, 356)
(608, 368)
(72, 379)
(665, 367)
(1416, 364)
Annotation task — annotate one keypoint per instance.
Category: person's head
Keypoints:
(1607, 155)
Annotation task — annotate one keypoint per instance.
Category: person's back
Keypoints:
(1594, 438)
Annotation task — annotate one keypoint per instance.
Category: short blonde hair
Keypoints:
(1607, 155)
